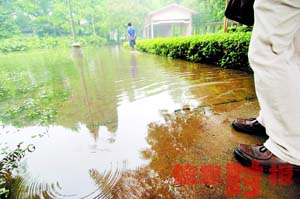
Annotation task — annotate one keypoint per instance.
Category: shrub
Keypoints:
(228, 50)
(25, 43)
(240, 29)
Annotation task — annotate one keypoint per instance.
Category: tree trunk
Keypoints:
(225, 20)
(93, 25)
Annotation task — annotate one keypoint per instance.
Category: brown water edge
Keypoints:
(127, 124)
(189, 137)
(197, 137)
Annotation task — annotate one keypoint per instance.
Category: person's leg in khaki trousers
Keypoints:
(275, 59)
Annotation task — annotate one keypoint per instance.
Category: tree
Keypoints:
(105, 18)
(7, 26)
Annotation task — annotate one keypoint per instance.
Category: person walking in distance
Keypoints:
(131, 34)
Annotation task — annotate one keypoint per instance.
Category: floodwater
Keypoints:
(128, 120)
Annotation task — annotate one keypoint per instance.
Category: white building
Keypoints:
(169, 21)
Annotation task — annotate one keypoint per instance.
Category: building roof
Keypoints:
(172, 6)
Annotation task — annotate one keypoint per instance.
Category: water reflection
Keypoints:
(185, 137)
(95, 111)
(101, 144)
(93, 100)
(175, 140)
(133, 64)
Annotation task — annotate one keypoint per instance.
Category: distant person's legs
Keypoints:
(275, 60)
(132, 44)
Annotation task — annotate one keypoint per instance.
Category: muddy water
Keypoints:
(129, 118)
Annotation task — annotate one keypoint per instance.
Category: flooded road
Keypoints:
(126, 121)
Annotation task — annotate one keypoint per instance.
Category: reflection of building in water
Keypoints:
(93, 97)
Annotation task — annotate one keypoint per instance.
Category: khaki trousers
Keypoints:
(274, 56)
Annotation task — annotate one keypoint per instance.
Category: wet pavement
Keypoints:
(133, 124)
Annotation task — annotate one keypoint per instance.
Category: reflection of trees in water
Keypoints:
(78, 58)
(24, 188)
(175, 141)
(171, 142)
(138, 184)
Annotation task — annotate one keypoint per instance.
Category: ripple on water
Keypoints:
(105, 121)
(33, 187)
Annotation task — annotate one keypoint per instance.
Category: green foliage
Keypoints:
(228, 50)
(102, 18)
(7, 164)
(4, 192)
(208, 10)
(7, 25)
(241, 28)
(91, 17)
(12, 45)
(41, 108)
(26, 101)
(92, 41)
(26, 43)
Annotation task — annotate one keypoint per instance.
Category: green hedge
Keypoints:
(27, 43)
(228, 50)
